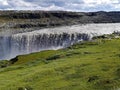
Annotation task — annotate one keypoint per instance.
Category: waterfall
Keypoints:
(12, 45)
(23, 44)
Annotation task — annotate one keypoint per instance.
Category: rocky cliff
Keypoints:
(31, 20)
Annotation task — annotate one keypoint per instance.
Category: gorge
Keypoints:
(24, 32)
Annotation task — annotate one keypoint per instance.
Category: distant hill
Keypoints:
(40, 19)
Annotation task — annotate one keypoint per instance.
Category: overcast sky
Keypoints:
(69, 5)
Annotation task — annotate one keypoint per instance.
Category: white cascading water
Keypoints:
(12, 45)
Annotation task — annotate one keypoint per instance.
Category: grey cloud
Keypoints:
(71, 5)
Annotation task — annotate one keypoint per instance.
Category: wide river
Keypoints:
(12, 45)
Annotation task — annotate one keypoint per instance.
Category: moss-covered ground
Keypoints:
(93, 65)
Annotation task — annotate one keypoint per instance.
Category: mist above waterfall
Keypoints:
(12, 44)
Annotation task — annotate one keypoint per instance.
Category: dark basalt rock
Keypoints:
(41, 19)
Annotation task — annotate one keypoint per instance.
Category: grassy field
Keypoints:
(91, 65)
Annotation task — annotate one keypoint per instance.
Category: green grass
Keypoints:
(91, 65)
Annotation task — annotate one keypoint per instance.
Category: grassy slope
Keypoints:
(87, 66)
